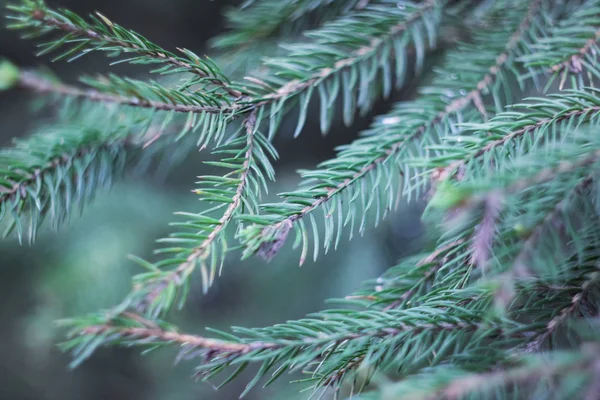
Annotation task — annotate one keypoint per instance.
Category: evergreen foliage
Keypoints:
(502, 303)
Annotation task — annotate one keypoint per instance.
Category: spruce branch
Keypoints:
(330, 63)
(267, 18)
(574, 107)
(407, 282)
(570, 374)
(321, 344)
(552, 219)
(560, 213)
(338, 63)
(100, 34)
(205, 246)
(57, 170)
(571, 49)
(369, 50)
(180, 102)
(514, 208)
(565, 313)
(394, 139)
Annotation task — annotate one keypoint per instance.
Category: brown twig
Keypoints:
(31, 81)
(573, 64)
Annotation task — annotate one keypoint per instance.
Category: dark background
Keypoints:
(83, 267)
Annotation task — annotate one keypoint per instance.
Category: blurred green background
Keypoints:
(83, 267)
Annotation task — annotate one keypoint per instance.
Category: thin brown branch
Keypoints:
(566, 313)
(437, 263)
(148, 329)
(31, 81)
(573, 64)
(437, 258)
(158, 334)
(483, 236)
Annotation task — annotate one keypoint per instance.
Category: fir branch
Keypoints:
(59, 169)
(407, 282)
(267, 18)
(565, 313)
(38, 83)
(320, 343)
(384, 147)
(337, 63)
(523, 380)
(574, 106)
(558, 214)
(530, 240)
(570, 57)
(323, 61)
(101, 34)
(155, 291)
(369, 50)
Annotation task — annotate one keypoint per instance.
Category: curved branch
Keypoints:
(200, 251)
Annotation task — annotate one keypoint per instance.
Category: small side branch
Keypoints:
(34, 82)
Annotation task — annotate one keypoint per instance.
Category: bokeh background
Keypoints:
(83, 267)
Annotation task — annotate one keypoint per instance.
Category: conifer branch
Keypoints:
(574, 64)
(522, 380)
(337, 66)
(102, 34)
(358, 55)
(38, 83)
(267, 18)
(321, 343)
(580, 106)
(57, 170)
(535, 235)
(570, 58)
(565, 313)
(381, 149)
(514, 206)
(322, 61)
(157, 291)
(404, 282)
